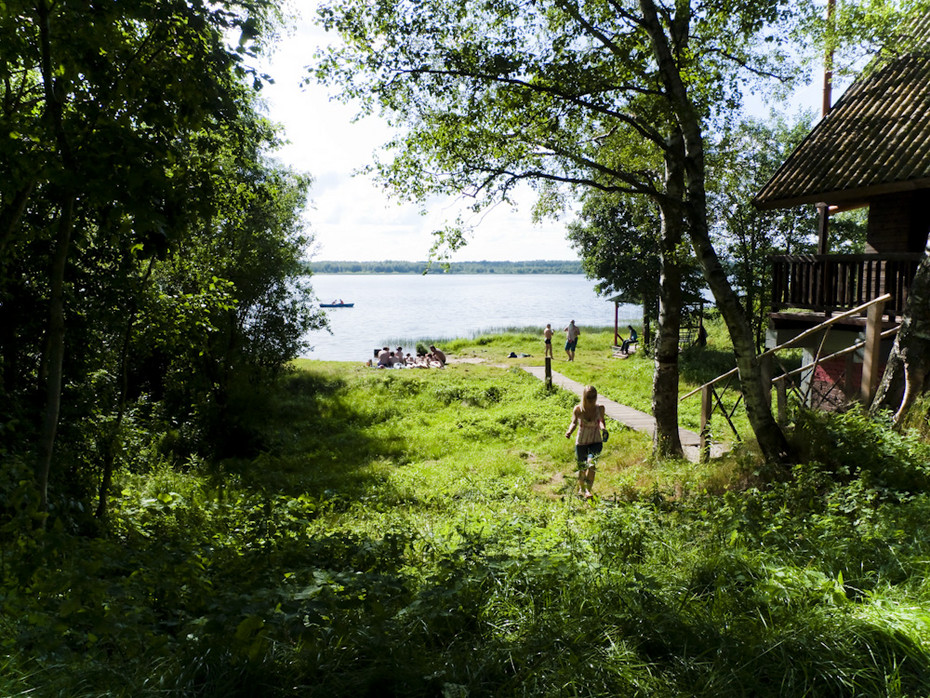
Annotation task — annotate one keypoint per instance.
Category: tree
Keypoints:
(233, 303)
(907, 373)
(746, 157)
(585, 94)
(620, 239)
(117, 125)
(617, 238)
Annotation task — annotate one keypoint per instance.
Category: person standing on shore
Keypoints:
(588, 417)
(547, 335)
(571, 340)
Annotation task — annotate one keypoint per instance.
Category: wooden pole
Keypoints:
(707, 406)
(548, 373)
(616, 321)
(794, 340)
(872, 353)
(781, 399)
(828, 65)
(842, 352)
(823, 228)
(768, 368)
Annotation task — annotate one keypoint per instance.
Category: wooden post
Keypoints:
(823, 228)
(849, 376)
(707, 406)
(548, 373)
(768, 368)
(781, 399)
(871, 355)
(616, 322)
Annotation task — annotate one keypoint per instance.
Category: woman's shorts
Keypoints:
(582, 451)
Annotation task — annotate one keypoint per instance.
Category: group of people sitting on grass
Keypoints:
(385, 358)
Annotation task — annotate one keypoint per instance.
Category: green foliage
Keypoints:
(568, 97)
(403, 532)
(917, 418)
(851, 445)
(747, 156)
(860, 31)
(551, 94)
(134, 166)
(619, 239)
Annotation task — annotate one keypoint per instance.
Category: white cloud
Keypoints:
(350, 216)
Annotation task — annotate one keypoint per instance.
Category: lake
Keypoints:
(401, 309)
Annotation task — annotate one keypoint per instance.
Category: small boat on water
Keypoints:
(337, 304)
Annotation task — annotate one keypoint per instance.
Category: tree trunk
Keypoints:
(908, 366)
(11, 215)
(666, 440)
(646, 340)
(55, 341)
(113, 438)
(55, 351)
(768, 434)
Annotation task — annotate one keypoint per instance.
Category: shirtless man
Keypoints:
(384, 358)
(547, 335)
(436, 355)
(571, 340)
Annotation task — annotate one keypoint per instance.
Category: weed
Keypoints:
(403, 533)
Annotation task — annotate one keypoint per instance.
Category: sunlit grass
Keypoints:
(414, 533)
(627, 381)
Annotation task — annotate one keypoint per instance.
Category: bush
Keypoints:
(852, 445)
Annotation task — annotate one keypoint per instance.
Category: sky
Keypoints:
(349, 216)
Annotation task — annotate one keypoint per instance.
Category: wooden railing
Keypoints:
(712, 400)
(836, 282)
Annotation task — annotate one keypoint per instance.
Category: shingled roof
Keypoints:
(875, 140)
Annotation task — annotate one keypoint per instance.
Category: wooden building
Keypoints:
(872, 149)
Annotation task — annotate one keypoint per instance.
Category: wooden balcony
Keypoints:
(836, 282)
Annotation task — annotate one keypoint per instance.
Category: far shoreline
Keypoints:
(399, 267)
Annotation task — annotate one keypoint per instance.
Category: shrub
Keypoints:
(852, 445)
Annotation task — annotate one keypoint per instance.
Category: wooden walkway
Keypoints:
(640, 421)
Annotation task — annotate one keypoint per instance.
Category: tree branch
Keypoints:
(638, 124)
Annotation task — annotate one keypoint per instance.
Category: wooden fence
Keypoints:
(836, 282)
(711, 399)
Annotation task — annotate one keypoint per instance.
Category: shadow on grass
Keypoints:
(317, 439)
(701, 365)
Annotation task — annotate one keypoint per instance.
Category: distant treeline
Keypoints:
(536, 266)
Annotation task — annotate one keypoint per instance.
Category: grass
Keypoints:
(627, 381)
(412, 533)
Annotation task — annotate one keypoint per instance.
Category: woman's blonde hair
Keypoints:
(589, 394)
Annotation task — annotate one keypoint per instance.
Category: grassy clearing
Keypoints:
(627, 381)
(409, 533)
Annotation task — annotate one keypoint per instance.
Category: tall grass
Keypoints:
(413, 533)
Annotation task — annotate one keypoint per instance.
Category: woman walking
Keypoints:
(588, 417)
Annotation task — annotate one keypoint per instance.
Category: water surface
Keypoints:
(400, 309)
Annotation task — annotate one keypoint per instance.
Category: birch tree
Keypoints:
(570, 94)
